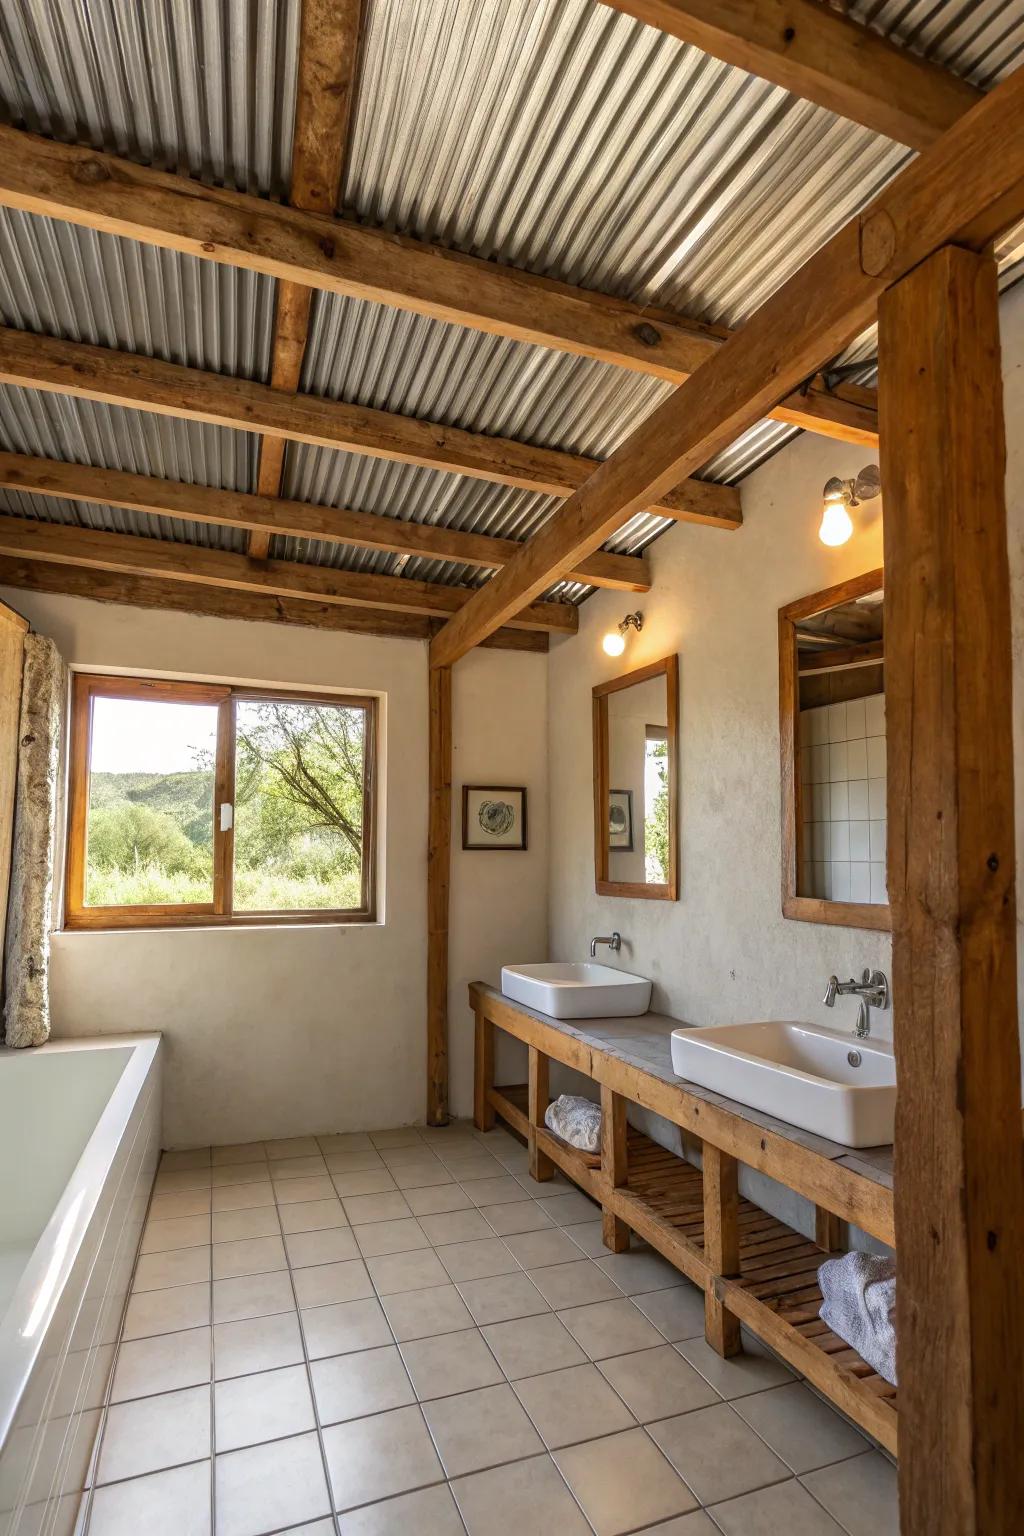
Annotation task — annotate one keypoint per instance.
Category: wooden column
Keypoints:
(959, 1185)
(721, 1246)
(828, 1230)
(483, 1073)
(538, 1071)
(614, 1164)
(439, 854)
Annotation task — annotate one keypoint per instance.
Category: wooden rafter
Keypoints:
(131, 555)
(822, 56)
(328, 49)
(965, 189)
(268, 515)
(170, 389)
(102, 192)
(230, 603)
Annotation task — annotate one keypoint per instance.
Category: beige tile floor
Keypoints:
(401, 1332)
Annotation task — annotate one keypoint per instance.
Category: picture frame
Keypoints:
(620, 820)
(494, 818)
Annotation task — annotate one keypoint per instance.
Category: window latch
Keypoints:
(227, 816)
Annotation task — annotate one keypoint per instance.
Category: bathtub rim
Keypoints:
(48, 1269)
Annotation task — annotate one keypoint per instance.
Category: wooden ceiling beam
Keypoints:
(269, 515)
(965, 189)
(227, 603)
(328, 50)
(56, 543)
(170, 389)
(822, 56)
(102, 192)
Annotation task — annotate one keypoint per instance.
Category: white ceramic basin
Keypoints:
(824, 1081)
(583, 990)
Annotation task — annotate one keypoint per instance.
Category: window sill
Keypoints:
(261, 923)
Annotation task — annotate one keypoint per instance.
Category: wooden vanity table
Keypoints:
(752, 1268)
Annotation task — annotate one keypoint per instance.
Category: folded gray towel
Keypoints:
(576, 1120)
(859, 1304)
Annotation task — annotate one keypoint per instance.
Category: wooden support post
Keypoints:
(721, 1246)
(483, 1073)
(959, 1185)
(614, 1164)
(828, 1230)
(439, 850)
(541, 1166)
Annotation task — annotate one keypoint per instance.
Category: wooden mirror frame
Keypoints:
(811, 909)
(667, 667)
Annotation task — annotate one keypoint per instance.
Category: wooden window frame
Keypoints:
(812, 909)
(667, 667)
(217, 913)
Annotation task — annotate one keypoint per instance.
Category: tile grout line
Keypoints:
(475, 1326)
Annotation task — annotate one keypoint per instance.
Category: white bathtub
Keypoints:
(79, 1143)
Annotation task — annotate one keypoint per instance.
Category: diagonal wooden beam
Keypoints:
(328, 48)
(964, 189)
(59, 544)
(170, 389)
(229, 603)
(268, 515)
(101, 192)
(822, 56)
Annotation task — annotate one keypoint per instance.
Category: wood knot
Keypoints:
(789, 34)
(208, 246)
(647, 334)
(991, 1241)
(993, 862)
(91, 171)
(877, 243)
(327, 246)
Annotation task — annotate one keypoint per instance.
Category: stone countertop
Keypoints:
(645, 1042)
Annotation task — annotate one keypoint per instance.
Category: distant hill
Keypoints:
(187, 798)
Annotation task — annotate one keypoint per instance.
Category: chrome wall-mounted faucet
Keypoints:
(872, 989)
(614, 942)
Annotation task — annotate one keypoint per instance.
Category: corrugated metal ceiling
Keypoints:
(556, 135)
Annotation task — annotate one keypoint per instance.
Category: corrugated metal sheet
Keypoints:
(981, 40)
(556, 135)
(563, 137)
(206, 87)
(61, 280)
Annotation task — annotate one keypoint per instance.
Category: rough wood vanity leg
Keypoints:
(483, 1073)
(614, 1165)
(828, 1230)
(541, 1166)
(721, 1246)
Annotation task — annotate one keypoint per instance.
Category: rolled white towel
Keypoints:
(859, 1304)
(576, 1121)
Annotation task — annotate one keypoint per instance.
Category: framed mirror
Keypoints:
(636, 730)
(832, 735)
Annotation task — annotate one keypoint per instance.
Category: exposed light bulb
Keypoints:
(614, 643)
(836, 524)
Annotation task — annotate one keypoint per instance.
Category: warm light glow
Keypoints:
(614, 643)
(836, 524)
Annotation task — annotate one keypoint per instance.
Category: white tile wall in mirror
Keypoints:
(842, 766)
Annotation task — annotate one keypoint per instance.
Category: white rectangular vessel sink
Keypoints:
(572, 990)
(819, 1079)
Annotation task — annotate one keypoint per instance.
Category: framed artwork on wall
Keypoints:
(493, 817)
(620, 819)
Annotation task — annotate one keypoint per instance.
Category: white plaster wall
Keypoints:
(724, 952)
(283, 1031)
(499, 909)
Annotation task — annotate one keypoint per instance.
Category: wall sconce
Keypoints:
(839, 496)
(614, 642)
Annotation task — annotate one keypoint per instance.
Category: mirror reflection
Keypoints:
(638, 783)
(635, 726)
(842, 764)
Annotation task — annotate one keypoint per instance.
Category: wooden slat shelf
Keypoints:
(771, 1285)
